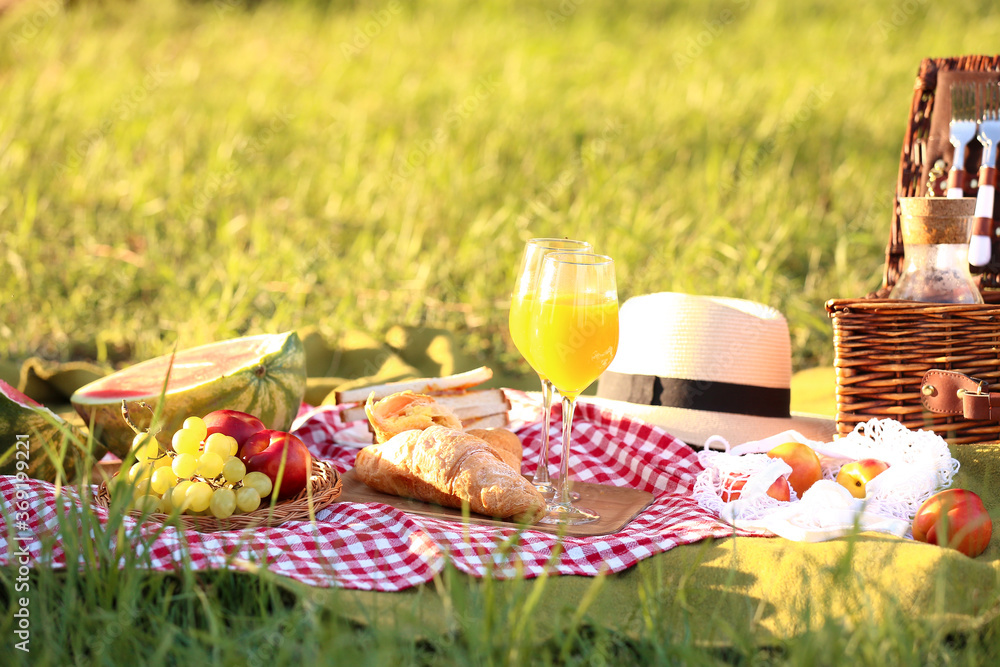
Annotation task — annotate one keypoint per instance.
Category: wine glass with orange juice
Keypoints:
(521, 303)
(574, 320)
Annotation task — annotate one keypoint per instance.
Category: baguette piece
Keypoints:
(421, 386)
(493, 421)
(448, 467)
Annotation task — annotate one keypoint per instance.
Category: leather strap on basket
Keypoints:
(956, 179)
(987, 176)
(952, 393)
(984, 226)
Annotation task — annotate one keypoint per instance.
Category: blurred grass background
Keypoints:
(183, 172)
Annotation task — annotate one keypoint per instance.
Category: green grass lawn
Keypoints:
(182, 172)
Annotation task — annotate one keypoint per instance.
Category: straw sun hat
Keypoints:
(700, 366)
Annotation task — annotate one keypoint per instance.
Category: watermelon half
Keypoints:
(262, 375)
(33, 438)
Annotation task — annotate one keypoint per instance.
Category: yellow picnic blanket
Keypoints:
(719, 591)
(765, 590)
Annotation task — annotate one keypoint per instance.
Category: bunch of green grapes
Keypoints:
(202, 475)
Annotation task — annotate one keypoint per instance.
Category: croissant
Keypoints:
(449, 467)
(504, 442)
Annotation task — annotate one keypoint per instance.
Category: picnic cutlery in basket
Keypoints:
(962, 130)
(980, 246)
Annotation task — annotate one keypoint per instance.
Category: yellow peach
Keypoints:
(854, 476)
(806, 468)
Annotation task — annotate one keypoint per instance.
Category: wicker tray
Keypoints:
(882, 348)
(325, 486)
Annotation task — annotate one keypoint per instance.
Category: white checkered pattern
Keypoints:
(376, 547)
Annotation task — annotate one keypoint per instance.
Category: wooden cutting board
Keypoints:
(616, 505)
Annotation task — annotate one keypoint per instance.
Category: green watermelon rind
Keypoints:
(48, 434)
(271, 387)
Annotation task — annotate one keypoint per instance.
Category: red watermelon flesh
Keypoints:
(190, 368)
(18, 397)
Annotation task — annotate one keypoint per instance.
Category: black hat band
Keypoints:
(704, 395)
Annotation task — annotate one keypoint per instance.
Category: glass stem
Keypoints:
(542, 470)
(563, 485)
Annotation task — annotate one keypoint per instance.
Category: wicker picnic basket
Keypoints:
(883, 347)
(324, 487)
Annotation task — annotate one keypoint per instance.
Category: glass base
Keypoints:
(568, 515)
(548, 491)
(936, 273)
(546, 488)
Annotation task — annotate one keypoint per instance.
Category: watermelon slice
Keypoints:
(34, 438)
(263, 375)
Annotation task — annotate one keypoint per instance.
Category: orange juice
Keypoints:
(574, 341)
(520, 324)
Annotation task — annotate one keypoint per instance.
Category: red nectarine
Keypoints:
(236, 424)
(954, 518)
(281, 456)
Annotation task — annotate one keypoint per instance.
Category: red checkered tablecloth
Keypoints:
(376, 547)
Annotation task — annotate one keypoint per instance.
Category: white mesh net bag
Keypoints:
(920, 464)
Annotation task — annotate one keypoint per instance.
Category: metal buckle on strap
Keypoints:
(982, 388)
(977, 404)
